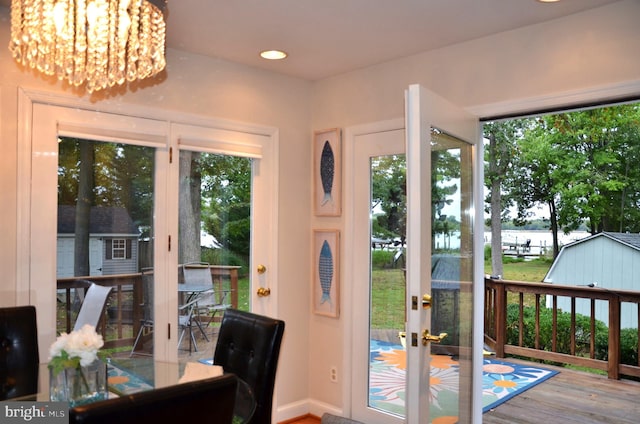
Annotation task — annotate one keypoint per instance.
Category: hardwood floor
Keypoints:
(304, 420)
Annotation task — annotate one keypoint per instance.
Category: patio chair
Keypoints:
(19, 354)
(248, 345)
(93, 305)
(210, 303)
(186, 322)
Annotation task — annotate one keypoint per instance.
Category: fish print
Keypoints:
(327, 165)
(325, 271)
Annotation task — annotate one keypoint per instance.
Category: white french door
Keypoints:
(437, 141)
(441, 180)
(41, 126)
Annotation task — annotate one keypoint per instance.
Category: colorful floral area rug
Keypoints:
(501, 380)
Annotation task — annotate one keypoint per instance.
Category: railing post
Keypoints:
(501, 319)
(613, 365)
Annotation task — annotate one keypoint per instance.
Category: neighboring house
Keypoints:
(606, 260)
(113, 241)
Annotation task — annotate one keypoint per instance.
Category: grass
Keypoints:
(388, 288)
(532, 271)
(388, 299)
(519, 270)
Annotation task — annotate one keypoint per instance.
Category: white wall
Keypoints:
(583, 57)
(208, 88)
(580, 53)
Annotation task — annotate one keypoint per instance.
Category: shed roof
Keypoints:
(629, 239)
(103, 220)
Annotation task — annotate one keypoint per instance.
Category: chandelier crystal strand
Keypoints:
(46, 44)
(144, 63)
(124, 24)
(80, 50)
(158, 30)
(133, 45)
(98, 42)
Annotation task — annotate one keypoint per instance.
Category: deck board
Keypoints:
(571, 397)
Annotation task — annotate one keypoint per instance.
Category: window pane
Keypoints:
(105, 228)
(214, 244)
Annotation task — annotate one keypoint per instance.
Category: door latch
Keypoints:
(426, 337)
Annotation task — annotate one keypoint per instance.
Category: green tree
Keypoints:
(445, 174)
(389, 194)
(500, 155)
(600, 146)
(536, 177)
(226, 197)
(581, 166)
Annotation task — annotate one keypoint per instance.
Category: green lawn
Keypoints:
(518, 270)
(388, 294)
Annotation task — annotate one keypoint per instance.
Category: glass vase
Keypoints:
(79, 386)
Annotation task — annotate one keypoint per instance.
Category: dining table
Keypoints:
(130, 375)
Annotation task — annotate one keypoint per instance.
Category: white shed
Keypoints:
(113, 241)
(607, 260)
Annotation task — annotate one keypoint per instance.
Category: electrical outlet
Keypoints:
(333, 374)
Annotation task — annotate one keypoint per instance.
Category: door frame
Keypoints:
(348, 293)
(120, 116)
(354, 374)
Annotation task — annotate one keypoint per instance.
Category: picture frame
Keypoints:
(327, 171)
(326, 277)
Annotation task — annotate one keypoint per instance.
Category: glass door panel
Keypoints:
(105, 232)
(214, 245)
(451, 275)
(387, 284)
(441, 379)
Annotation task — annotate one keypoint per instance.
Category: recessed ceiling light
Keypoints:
(273, 54)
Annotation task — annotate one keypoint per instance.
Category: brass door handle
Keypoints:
(426, 301)
(426, 337)
(264, 291)
(262, 269)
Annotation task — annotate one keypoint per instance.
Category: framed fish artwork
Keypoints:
(326, 281)
(327, 148)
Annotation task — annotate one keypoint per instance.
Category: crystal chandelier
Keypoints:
(100, 42)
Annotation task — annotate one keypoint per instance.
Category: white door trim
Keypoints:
(152, 128)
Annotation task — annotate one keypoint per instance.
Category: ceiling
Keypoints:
(328, 37)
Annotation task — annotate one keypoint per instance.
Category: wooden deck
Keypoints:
(571, 397)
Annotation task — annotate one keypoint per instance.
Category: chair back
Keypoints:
(197, 273)
(248, 345)
(199, 401)
(19, 356)
(93, 306)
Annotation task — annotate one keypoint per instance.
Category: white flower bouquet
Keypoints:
(74, 350)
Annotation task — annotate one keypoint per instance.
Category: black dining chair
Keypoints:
(248, 345)
(191, 402)
(19, 357)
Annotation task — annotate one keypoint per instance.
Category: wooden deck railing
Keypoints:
(125, 305)
(495, 322)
